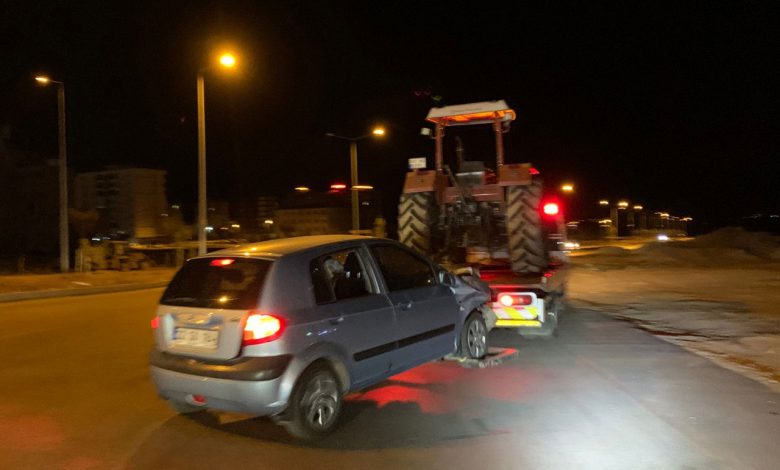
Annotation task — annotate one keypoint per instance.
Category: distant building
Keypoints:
(29, 208)
(131, 201)
(312, 221)
(313, 213)
(29, 199)
(266, 206)
(218, 215)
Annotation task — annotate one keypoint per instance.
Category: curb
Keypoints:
(50, 294)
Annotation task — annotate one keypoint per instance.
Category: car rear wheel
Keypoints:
(473, 337)
(315, 404)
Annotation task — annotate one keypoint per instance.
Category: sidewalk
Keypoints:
(38, 286)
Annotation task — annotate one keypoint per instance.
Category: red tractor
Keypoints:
(477, 214)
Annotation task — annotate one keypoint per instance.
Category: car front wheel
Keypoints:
(315, 404)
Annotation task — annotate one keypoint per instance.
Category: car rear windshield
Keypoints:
(232, 283)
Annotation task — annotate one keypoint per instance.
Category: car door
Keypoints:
(355, 314)
(426, 310)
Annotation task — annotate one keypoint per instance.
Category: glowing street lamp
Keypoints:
(228, 61)
(567, 187)
(63, 171)
(378, 131)
(603, 202)
(622, 204)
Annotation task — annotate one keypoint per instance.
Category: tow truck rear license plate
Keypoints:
(195, 338)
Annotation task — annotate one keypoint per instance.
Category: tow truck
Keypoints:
(496, 224)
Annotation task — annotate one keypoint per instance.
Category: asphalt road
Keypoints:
(75, 393)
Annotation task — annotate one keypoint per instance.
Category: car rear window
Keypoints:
(232, 283)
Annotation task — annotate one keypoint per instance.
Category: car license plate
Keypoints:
(195, 338)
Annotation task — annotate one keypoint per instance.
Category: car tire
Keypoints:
(550, 329)
(315, 404)
(182, 407)
(473, 337)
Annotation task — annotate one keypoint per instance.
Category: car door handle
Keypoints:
(405, 305)
(336, 321)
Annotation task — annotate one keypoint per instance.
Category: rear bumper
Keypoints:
(252, 386)
(245, 368)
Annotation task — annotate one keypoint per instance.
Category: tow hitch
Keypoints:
(494, 357)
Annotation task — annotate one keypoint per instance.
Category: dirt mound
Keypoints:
(610, 251)
(759, 244)
(725, 246)
(679, 253)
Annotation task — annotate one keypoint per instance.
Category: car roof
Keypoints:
(286, 246)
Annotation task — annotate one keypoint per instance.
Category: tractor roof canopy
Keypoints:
(484, 112)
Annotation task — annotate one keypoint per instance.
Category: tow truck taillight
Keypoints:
(508, 300)
(261, 328)
(551, 208)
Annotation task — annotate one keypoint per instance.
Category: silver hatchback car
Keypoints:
(286, 328)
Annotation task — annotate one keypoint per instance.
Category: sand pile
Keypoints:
(723, 247)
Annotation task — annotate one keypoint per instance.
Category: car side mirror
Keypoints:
(467, 271)
(448, 279)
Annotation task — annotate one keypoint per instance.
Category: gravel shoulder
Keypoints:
(708, 296)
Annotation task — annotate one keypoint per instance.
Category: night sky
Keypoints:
(673, 105)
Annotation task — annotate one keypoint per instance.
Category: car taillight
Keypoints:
(261, 328)
(222, 262)
(155, 322)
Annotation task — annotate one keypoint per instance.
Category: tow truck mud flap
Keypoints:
(494, 357)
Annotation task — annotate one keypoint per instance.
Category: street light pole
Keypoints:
(353, 171)
(63, 171)
(226, 60)
(202, 209)
(353, 165)
(63, 179)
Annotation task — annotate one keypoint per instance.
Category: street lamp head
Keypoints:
(378, 131)
(567, 187)
(638, 207)
(227, 60)
(42, 79)
(603, 202)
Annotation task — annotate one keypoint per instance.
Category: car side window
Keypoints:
(402, 269)
(338, 276)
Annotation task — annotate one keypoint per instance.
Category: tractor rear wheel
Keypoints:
(524, 228)
(417, 214)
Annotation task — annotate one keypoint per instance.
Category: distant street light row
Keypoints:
(226, 60)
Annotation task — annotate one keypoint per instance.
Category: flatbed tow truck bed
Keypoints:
(527, 301)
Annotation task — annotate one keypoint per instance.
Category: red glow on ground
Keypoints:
(427, 400)
(30, 432)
